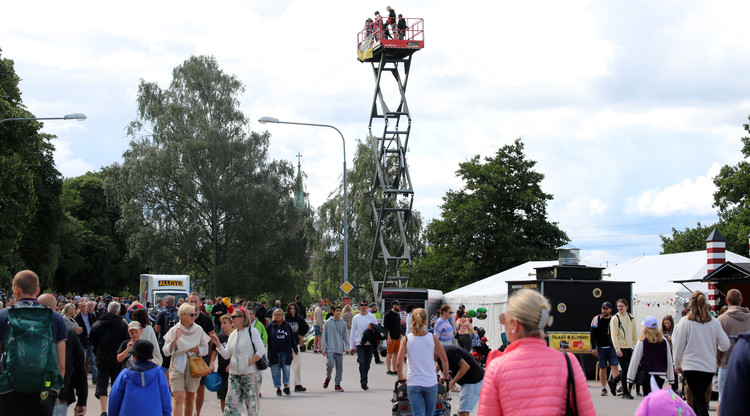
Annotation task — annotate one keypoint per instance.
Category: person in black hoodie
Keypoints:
(218, 310)
(299, 329)
(74, 382)
(280, 346)
(106, 336)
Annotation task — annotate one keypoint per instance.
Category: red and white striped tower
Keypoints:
(715, 250)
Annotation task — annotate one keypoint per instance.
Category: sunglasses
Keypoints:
(192, 315)
(236, 316)
(362, 305)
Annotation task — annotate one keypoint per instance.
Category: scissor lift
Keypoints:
(392, 195)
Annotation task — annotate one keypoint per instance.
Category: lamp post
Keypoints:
(265, 120)
(74, 116)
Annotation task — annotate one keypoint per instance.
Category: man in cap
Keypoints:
(125, 351)
(602, 349)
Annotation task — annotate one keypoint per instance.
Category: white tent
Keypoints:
(492, 293)
(654, 292)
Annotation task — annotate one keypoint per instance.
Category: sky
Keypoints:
(629, 108)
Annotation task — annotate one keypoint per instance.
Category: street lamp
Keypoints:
(74, 116)
(265, 120)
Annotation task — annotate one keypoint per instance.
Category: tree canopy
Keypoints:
(30, 186)
(198, 192)
(497, 221)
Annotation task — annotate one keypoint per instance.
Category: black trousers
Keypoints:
(699, 383)
(364, 357)
(627, 354)
(31, 404)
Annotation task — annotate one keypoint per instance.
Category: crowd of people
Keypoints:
(159, 363)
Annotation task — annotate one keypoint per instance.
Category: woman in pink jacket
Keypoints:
(530, 378)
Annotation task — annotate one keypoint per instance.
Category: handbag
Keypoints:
(261, 364)
(570, 409)
(198, 367)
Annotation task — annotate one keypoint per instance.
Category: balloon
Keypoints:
(214, 382)
(472, 313)
(481, 310)
(481, 316)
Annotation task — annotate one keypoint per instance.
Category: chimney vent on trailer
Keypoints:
(716, 256)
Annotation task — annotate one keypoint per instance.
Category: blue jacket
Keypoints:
(734, 397)
(140, 390)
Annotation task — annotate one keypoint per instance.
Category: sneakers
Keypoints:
(298, 388)
(338, 388)
(363, 384)
(619, 390)
(392, 373)
(604, 391)
(286, 391)
(278, 392)
(627, 396)
(325, 383)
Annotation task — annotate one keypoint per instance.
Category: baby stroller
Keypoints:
(401, 406)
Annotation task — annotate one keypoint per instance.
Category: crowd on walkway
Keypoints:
(162, 362)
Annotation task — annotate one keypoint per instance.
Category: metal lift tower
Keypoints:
(390, 52)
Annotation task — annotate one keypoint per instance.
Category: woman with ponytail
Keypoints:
(530, 378)
(421, 348)
(695, 341)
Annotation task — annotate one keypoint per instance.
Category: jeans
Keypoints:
(422, 399)
(89, 352)
(61, 408)
(278, 368)
(364, 357)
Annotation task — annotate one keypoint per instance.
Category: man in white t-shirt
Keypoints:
(364, 346)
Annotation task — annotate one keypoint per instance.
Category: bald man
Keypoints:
(25, 290)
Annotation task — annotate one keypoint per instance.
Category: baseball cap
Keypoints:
(607, 305)
(395, 302)
(650, 322)
(134, 325)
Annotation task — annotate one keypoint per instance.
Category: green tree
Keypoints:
(690, 239)
(198, 192)
(733, 207)
(328, 260)
(497, 221)
(733, 201)
(94, 256)
(30, 187)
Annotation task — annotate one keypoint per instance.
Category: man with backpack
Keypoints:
(623, 335)
(106, 336)
(602, 349)
(30, 386)
(164, 322)
(734, 321)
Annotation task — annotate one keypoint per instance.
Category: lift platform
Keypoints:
(391, 194)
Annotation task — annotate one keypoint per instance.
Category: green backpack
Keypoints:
(29, 359)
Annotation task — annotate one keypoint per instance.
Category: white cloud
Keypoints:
(688, 196)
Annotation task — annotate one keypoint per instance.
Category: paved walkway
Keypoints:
(375, 401)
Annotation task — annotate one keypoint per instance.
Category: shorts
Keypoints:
(469, 397)
(104, 377)
(393, 346)
(183, 381)
(318, 330)
(606, 356)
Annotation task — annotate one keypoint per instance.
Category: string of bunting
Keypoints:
(679, 300)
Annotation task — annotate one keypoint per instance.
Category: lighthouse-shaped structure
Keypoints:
(389, 51)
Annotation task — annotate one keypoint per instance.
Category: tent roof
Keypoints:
(495, 287)
(657, 273)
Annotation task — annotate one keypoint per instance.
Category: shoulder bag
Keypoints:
(198, 367)
(261, 364)
(570, 409)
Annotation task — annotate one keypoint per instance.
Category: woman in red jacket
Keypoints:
(530, 378)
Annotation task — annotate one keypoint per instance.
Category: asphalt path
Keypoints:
(354, 400)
